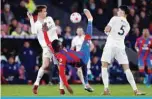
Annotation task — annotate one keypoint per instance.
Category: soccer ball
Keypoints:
(75, 17)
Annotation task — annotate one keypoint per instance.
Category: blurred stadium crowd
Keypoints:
(21, 58)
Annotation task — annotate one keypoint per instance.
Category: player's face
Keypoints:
(146, 33)
(58, 47)
(120, 12)
(80, 31)
(43, 13)
(11, 60)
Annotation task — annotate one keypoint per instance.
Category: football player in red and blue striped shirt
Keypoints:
(143, 46)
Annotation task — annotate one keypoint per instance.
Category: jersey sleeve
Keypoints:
(51, 23)
(33, 26)
(151, 43)
(137, 42)
(62, 63)
(111, 22)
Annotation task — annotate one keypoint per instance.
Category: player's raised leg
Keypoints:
(86, 49)
(90, 19)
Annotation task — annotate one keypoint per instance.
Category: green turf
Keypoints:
(53, 90)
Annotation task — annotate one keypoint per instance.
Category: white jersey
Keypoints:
(36, 28)
(77, 42)
(119, 29)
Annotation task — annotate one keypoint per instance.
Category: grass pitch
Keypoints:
(53, 90)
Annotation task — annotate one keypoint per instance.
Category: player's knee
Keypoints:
(149, 71)
(45, 65)
(125, 67)
(104, 65)
(141, 70)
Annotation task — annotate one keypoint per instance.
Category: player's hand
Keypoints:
(69, 89)
(107, 29)
(45, 27)
(30, 16)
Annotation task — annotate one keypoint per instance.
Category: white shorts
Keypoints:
(48, 54)
(110, 52)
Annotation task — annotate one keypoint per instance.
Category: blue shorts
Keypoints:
(147, 62)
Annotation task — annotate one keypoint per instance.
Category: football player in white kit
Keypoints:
(117, 29)
(37, 29)
(76, 44)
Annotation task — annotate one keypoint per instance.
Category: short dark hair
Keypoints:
(56, 44)
(11, 56)
(125, 9)
(79, 27)
(13, 19)
(39, 8)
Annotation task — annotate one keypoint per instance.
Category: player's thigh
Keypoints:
(125, 66)
(46, 57)
(105, 64)
(55, 61)
(107, 55)
(141, 64)
(121, 56)
(149, 63)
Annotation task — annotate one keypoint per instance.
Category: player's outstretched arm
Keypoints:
(109, 25)
(136, 45)
(137, 49)
(107, 29)
(63, 77)
(33, 27)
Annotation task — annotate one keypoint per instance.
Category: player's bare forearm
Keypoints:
(72, 48)
(107, 29)
(33, 28)
(91, 47)
(137, 49)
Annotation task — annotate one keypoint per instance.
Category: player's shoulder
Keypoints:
(49, 18)
(139, 38)
(150, 38)
(115, 18)
(38, 23)
(75, 38)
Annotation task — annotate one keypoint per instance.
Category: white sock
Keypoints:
(130, 79)
(80, 74)
(105, 78)
(61, 84)
(90, 20)
(39, 76)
